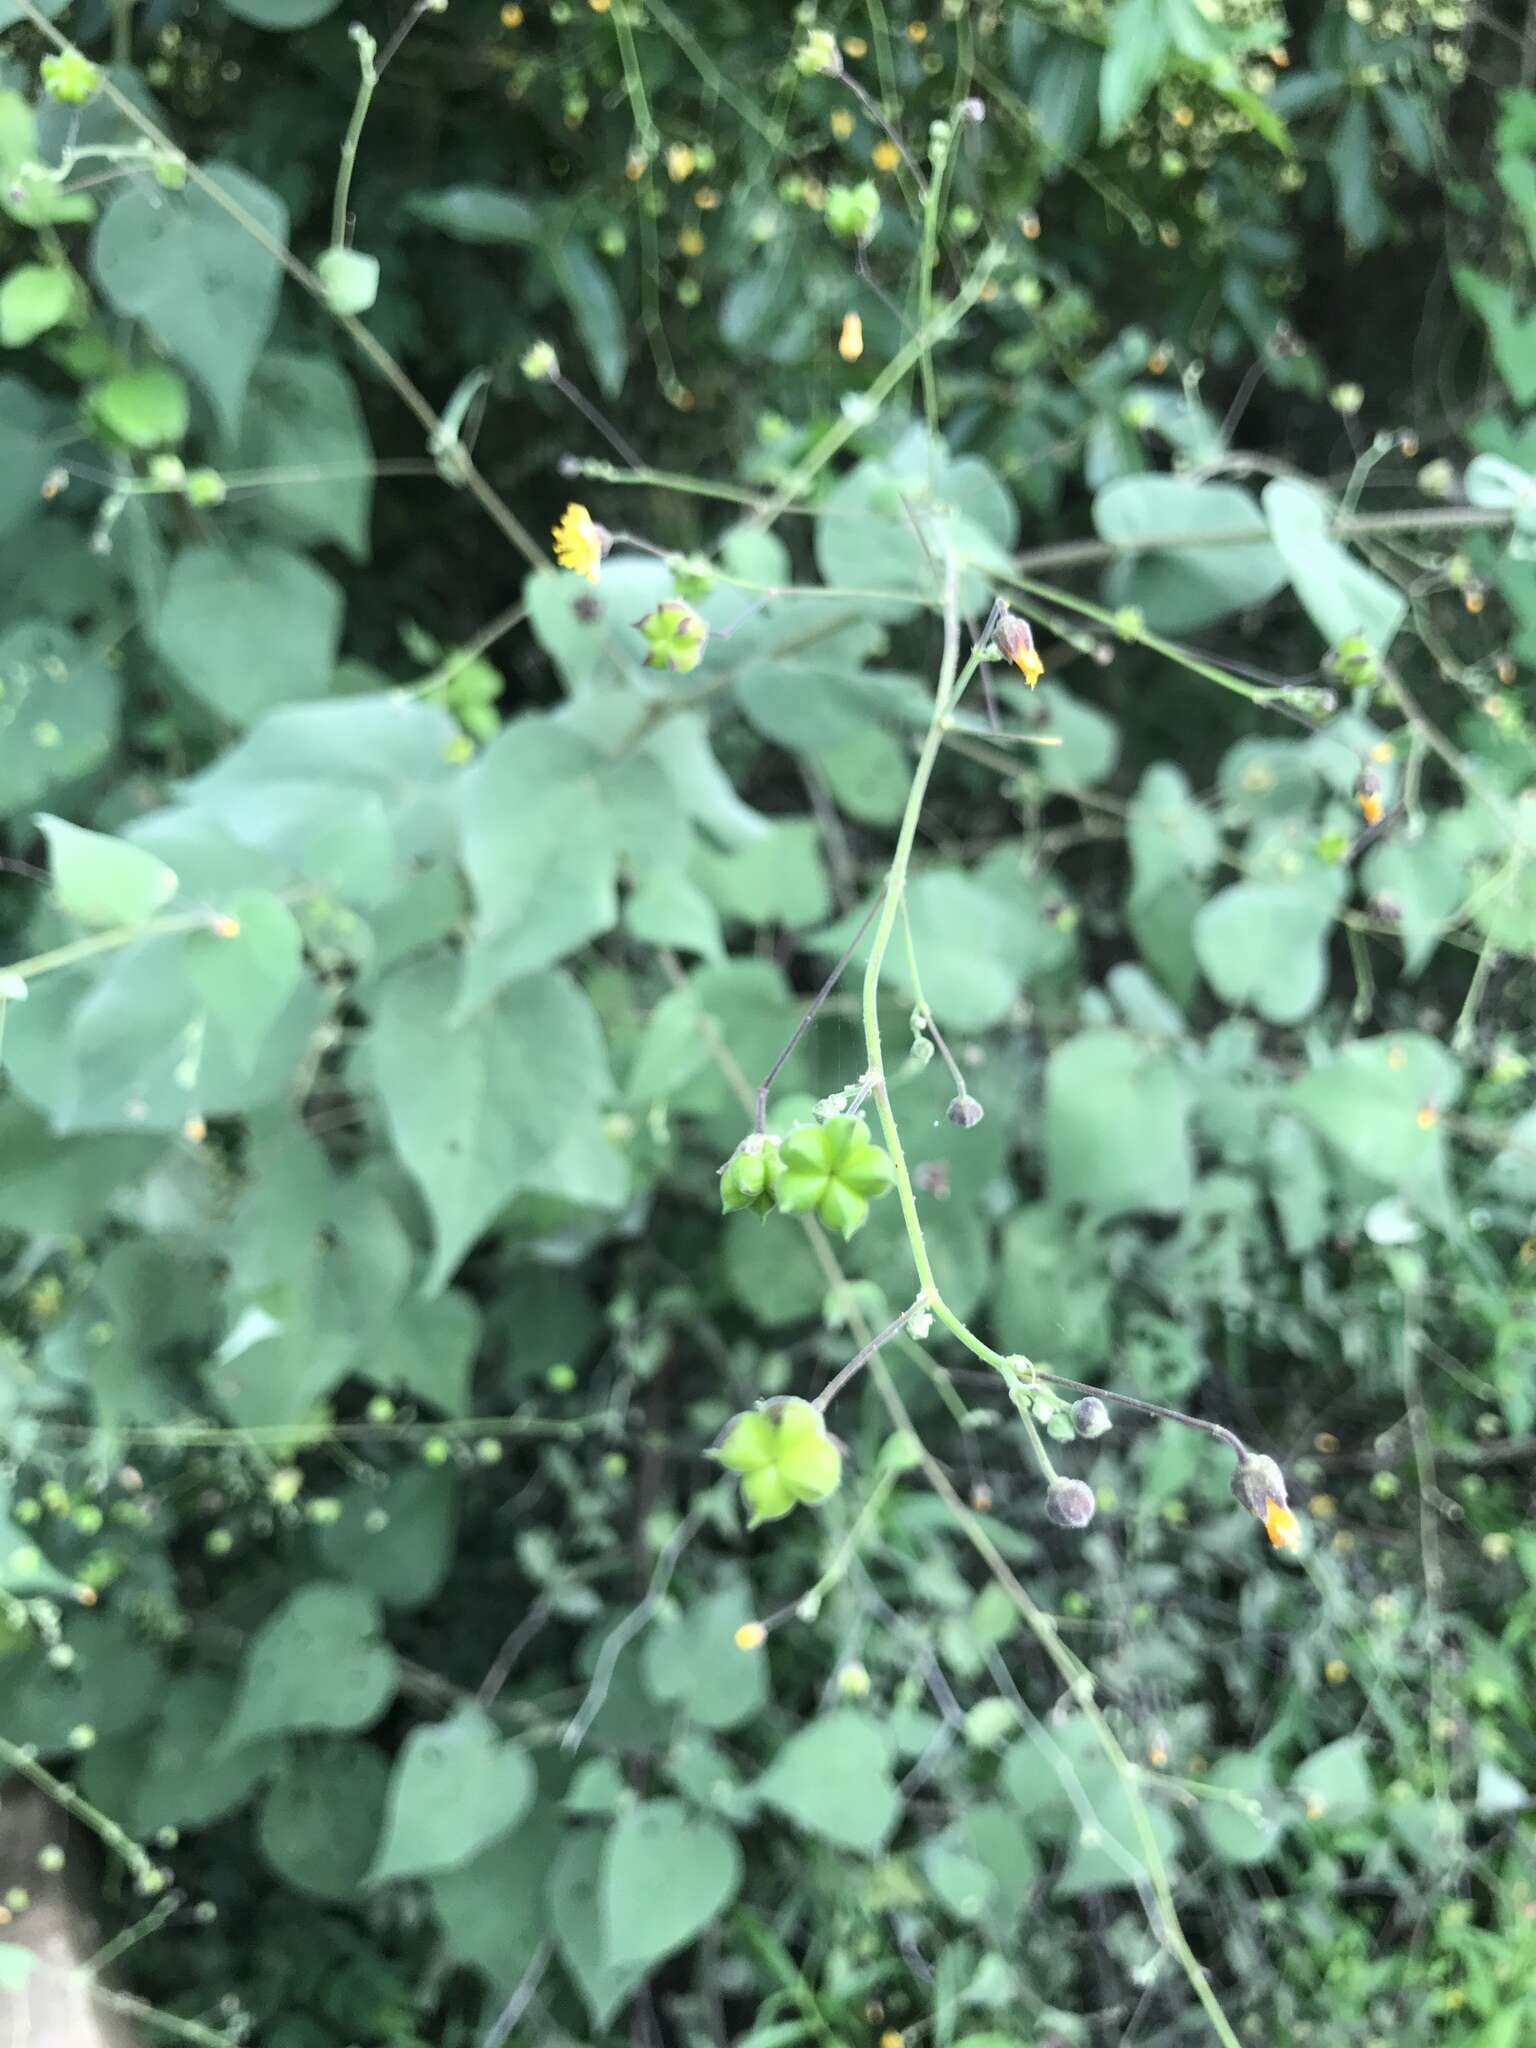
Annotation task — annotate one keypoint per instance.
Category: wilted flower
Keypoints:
(1258, 1485)
(965, 1111)
(1017, 642)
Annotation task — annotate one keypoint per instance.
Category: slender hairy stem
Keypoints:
(594, 418)
(860, 1359)
(811, 1014)
(135, 1859)
(1155, 1409)
(367, 84)
(108, 942)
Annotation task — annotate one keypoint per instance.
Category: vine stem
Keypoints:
(1077, 1678)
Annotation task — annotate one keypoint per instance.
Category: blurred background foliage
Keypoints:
(395, 957)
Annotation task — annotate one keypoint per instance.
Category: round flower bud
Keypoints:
(965, 1111)
(1069, 1503)
(818, 55)
(1090, 1417)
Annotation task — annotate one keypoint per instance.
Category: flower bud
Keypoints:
(540, 363)
(817, 54)
(1069, 1503)
(965, 1111)
(749, 1176)
(675, 637)
(853, 211)
(783, 1456)
(1090, 1417)
(70, 78)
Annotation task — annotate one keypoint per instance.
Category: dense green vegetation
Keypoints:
(1048, 521)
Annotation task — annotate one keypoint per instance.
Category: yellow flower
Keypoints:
(680, 162)
(1018, 645)
(842, 124)
(1281, 1526)
(751, 1636)
(885, 156)
(1371, 807)
(850, 343)
(580, 543)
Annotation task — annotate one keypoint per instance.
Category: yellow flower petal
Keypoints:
(850, 343)
(579, 542)
(1281, 1526)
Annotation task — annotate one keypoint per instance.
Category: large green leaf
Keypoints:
(573, 1903)
(543, 888)
(1139, 44)
(594, 305)
(477, 213)
(282, 14)
(318, 1662)
(189, 1780)
(691, 1661)
(1246, 1827)
(396, 1540)
(247, 976)
(666, 1875)
(833, 1779)
(320, 1819)
(1116, 1132)
(455, 1788)
(101, 880)
(476, 1110)
(1195, 552)
(201, 282)
(58, 710)
(1342, 597)
(1264, 946)
(1378, 1102)
(303, 425)
(250, 628)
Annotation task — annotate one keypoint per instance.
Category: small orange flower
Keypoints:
(1372, 809)
(1281, 1526)
(1427, 1117)
(580, 543)
(850, 343)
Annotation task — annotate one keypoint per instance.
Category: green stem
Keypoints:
(107, 942)
(367, 85)
(134, 1858)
